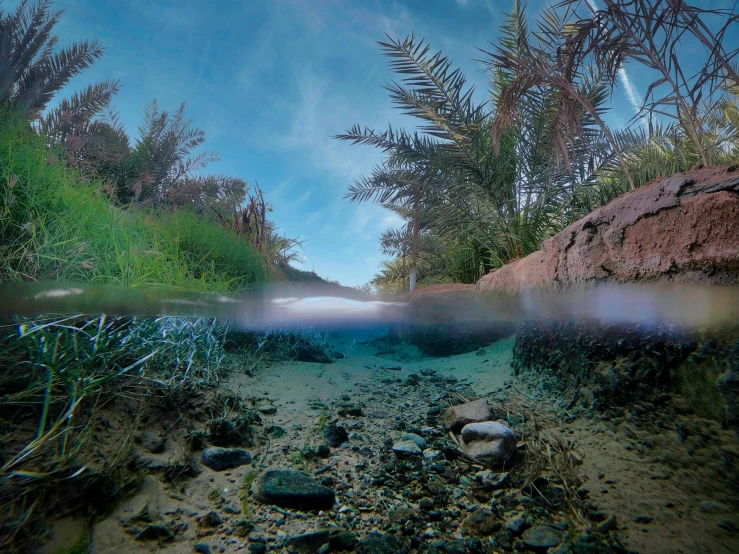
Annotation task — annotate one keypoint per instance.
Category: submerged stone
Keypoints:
(292, 489)
(335, 435)
(456, 417)
(420, 442)
(218, 459)
(542, 536)
(381, 544)
(480, 523)
(406, 448)
(490, 442)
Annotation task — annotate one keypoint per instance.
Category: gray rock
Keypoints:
(152, 442)
(202, 548)
(155, 531)
(480, 523)
(406, 448)
(490, 479)
(292, 489)
(218, 459)
(515, 525)
(335, 435)
(350, 409)
(490, 442)
(456, 417)
(420, 441)
(210, 520)
(381, 544)
(267, 409)
(391, 367)
(542, 536)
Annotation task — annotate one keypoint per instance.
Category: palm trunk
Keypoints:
(414, 258)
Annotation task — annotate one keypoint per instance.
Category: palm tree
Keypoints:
(31, 71)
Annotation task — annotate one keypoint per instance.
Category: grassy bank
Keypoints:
(56, 225)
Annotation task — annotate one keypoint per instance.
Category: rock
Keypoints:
(292, 489)
(428, 372)
(257, 548)
(155, 531)
(275, 431)
(211, 519)
(491, 480)
(218, 459)
(541, 537)
(456, 417)
(608, 525)
(684, 226)
(378, 414)
(406, 448)
(323, 451)
(350, 409)
(202, 548)
(391, 367)
(267, 409)
(515, 525)
(381, 544)
(490, 442)
(480, 523)
(337, 540)
(335, 435)
(307, 353)
(152, 442)
(420, 441)
(430, 455)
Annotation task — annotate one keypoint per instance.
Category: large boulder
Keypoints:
(681, 228)
(456, 417)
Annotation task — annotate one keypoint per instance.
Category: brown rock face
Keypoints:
(684, 228)
(456, 417)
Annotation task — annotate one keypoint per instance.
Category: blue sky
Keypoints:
(272, 81)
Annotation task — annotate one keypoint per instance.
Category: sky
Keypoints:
(272, 81)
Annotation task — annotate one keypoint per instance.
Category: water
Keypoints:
(606, 421)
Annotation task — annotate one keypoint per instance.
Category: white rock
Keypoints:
(430, 454)
(490, 442)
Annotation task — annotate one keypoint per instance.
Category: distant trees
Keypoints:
(480, 185)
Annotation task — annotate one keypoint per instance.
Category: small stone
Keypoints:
(335, 435)
(350, 409)
(430, 455)
(420, 441)
(643, 519)
(211, 519)
(515, 525)
(152, 442)
(267, 409)
(323, 451)
(608, 525)
(381, 544)
(480, 523)
(490, 479)
(541, 536)
(426, 504)
(391, 367)
(428, 372)
(292, 489)
(456, 417)
(490, 442)
(202, 548)
(154, 531)
(218, 459)
(406, 448)
(257, 548)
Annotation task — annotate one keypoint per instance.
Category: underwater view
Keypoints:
(527, 339)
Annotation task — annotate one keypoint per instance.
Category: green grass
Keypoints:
(56, 225)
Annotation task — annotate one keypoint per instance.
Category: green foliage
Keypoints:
(53, 225)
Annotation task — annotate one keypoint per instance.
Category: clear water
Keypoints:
(599, 421)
